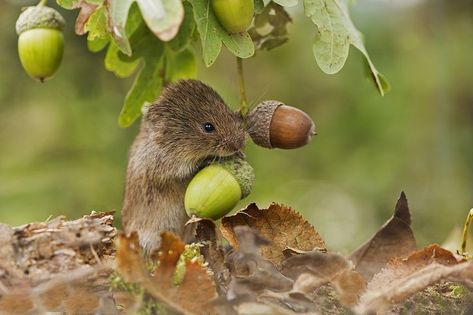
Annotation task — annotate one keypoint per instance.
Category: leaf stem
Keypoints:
(42, 3)
(241, 80)
(466, 227)
(163, 72)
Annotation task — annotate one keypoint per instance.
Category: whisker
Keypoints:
(259, 98)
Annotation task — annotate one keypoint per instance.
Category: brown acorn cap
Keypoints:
(39, 17)
(259, 122)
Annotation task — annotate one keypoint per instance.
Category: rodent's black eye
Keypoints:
(208, 127)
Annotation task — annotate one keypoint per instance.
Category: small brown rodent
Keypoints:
(185, 128)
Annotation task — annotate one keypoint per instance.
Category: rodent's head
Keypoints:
(191, 120)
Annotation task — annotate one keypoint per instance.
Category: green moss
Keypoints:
(117, 283)
(151, 306)
(243, 173)
(191, 253)
(447, 298)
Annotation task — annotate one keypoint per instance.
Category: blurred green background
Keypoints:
(62, 151)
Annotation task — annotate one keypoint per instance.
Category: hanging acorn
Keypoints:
(216, 189)
(40, 41)
(234, 15)
(273, 124)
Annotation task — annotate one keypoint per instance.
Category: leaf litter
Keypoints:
(258, 261)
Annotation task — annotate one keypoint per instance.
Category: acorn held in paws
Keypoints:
(273, 124)
(40, 41)
(216, 189)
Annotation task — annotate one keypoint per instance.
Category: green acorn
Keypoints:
(216, 189)
(234, 15)
(40, 41)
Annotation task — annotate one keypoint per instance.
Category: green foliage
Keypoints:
(184, 36)
(163, 17)
(212, 35)
(118, 12)
(277, 18)
(154, 36)
(335, 33)
(181, 65)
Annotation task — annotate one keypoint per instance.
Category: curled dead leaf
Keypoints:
(86, 10)
(282, 225)
(128, 260)
(394, 239)
(404, 277)
(192, 296)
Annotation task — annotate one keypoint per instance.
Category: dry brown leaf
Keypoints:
(82, 300)
(53, 298)
(314, 269)
(281, 225)
(322, 265)
(398, 268)
(251, 273)
(167, 255)
(394, 239)
(16, 303)
(349, 285)
(86, 10)
(400, 289)
(193, 296)
(404, 277)
(128, 260)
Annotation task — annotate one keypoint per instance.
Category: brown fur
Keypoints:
(169, 149)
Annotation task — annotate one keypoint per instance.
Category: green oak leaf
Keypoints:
(149, 51)
(118, 12)
(97, 44)
(115, 61)
(259, 6)
(276, 18)
(335, 33)
(184, 36)
(120, 67)
(163, 17)
(66, 4)
(146, 88)
(97, 25)
(181, 65)
(212, 35)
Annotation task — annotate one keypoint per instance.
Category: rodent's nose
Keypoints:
(235, 145)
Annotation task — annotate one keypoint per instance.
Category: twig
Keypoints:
(241, 80)
(466, 228)
(94, 253)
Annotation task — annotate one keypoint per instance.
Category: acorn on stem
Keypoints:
(40, 41)
(273, 124)
(234, 15)
(216, 189)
